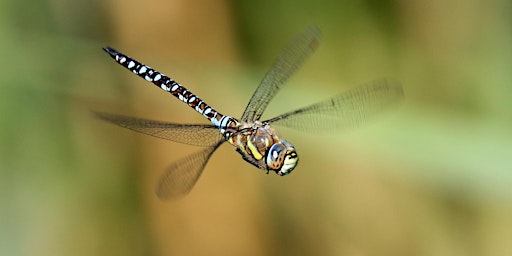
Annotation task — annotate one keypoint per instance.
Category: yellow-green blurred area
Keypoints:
(431, 177)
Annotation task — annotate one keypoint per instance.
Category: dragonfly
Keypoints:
(255, 140)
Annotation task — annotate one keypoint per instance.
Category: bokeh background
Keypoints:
(431, 178)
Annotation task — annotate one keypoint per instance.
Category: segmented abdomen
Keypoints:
(176, 89)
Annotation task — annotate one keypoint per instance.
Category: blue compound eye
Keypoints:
(282, 158)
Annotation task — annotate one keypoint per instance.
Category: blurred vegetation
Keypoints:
(432, 178)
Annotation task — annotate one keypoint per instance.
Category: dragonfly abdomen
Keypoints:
(167, 84)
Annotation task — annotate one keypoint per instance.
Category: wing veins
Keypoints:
(287, 62)
(347, 110)
(181, 176)
(192, 134)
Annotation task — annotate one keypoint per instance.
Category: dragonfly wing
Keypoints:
(181, 176)
(345, 111)
(288, 61)
(192, 134)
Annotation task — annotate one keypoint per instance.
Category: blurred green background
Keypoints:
(431, 178)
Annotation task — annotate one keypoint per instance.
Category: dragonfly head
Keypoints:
(282, 158)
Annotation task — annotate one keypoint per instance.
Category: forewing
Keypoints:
(192, 134)
(181, 176)
(288, 61)
(345, 111)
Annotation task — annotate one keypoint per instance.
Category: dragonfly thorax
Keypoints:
(260, 145)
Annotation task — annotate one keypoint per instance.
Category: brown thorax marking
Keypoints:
(252, 140)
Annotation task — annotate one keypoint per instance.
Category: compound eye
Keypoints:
(282, 158)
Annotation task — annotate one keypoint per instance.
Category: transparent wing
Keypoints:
(290, 59)
(181, 176)
(344, 111)
(192, 134)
